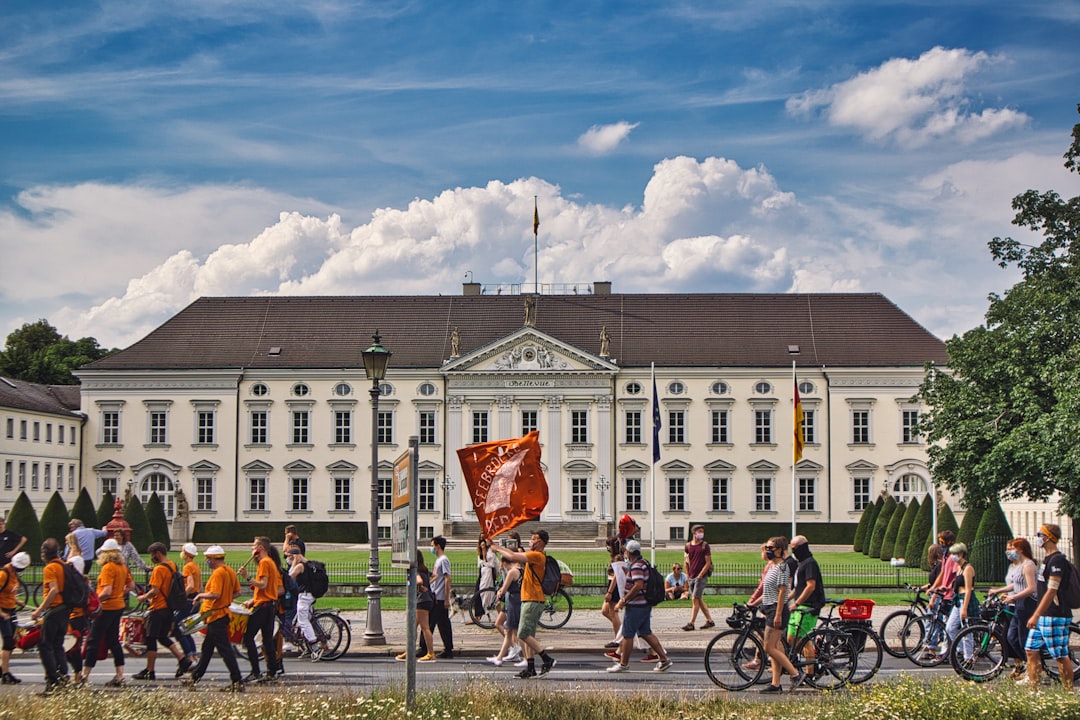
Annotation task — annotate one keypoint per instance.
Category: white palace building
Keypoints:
(258, 410)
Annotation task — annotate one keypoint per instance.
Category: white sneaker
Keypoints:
(514, 654)
(495, 660)
(618, 668)
(522, 663)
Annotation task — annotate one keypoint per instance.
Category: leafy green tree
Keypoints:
(1003, 421)
(888, 544)
(24, 520)
(54, 518)
(159, 524)
(988, 546)
(860, 530)
(877, 506)
(970, 524)
(881, 526)
(135, 514)
(904, 533)
(106, 509)
(83, 509)
(920, 535)
(38, 353)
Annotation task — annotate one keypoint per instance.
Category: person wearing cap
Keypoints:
(11, 542)
(86, 538)
(221, 588)
(159, 619)
(532, 601)
(637, 617)
(1049, 624)
(8, 605)
(697, 558)
(192, 586)
(113, 583)
(265, 584)
(54, 617)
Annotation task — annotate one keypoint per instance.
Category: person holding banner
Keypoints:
(532, 601)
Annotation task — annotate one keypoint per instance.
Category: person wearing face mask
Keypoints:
(944, 583)
(697, 559)
(439, 615)
(965, 604)
(1019, 591)
(774, 606)
(1049, 624)
(808, 597)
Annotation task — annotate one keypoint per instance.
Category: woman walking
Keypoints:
(113, 582)
(965, 604)
(510, 595)
(425, 600)
(774, 606)
(1019, 591)
(131, 556)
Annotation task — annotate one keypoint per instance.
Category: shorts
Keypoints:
(530, 618)
(7, 630)
(158, 625)
(637, 621)
(1051, 634)
(801, 622)
(697, 586)
(513, 612)
(769, 612)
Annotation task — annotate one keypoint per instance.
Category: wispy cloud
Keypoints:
(602, 139)
(911, 102)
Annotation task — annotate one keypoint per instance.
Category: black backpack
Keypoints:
(1069, 592)
(654, 587)
(76, 591)
(317, 581)
(176, 598)
(552, 576)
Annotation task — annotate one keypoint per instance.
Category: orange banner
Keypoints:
(506, 482)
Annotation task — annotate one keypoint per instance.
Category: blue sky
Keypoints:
(152, 153)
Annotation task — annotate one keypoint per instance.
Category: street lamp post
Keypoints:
(376, 359)
(448, 486)
(602, 485)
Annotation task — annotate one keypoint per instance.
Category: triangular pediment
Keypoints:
(529, 351)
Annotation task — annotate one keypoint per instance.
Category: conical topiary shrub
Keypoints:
(920, 534)
(877, 506)
(946, 520)
(988, 548)
(54, 518)
(860, 530)
(159, 524)
(83, 509)
(23, 520)
(904, 534)
(892, 531)
(881, 526)
(106, 509)
(969, 526)
(135, 514)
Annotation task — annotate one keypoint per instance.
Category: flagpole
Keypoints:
(652, 481)
(536, 247)
(794, 444)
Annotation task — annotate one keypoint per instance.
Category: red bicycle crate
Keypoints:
(856, 609)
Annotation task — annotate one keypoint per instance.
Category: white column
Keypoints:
(553, 455)
(603, 439)
(454, 439)
(506, 418)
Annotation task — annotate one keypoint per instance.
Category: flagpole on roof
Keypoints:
(536, 247)
(797, 436)
(655, 457)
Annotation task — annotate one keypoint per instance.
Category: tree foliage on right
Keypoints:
(1003, 422)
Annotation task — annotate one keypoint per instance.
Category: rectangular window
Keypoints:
(47, 477)
(9, 472)
(427, 427)
(633, 427)
(860, 427)
(426, 533)
(676, 427)
(384, 532)
(579, 494)
(861, 493)
(48, 432)
(299, 494)
(22, 429)
(719, 425)
(762, 426)
(342, 427)
(257, 494)
(385, 493)
(71, 435)
(158, 427)
(110, 427)
(60, 434)
(204, 493)
(809, 426)
(530, 420)
(677, 494)
(301, 427)
(425, 494)
(60, 477)
(479, 427)
(343, 493)
(677, 532)
(579, 426)
(109, 485)
(34, 476)
(22, 476)
(71, 478)
(633, 494)
(909, 425)
(260, 427)
(205, 427)
(721, 502)
(386, 427)
(37, 431)
(807, 494)
(11, 428)
(763, 494)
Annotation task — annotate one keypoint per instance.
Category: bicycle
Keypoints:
(558, 607)
(920, 630)
(891, 629)
(855, 621)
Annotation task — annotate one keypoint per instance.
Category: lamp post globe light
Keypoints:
(376, 358)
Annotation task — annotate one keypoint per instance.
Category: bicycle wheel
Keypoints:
(915, 641)
(329, 631)
(557, 611)
(22, 595)
(131, 604)
(834, 658)
(483, 608)
(890, 632)
(346, 636)
(988, 651)
(728, 654)
(869, 652)
(36, 594)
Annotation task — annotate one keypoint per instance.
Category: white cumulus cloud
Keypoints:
(912, 102)
(602, 139)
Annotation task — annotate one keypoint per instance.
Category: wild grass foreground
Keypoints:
(904, 699)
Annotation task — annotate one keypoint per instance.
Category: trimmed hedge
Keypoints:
(84, 510)
(881, 526)
(54, 518)
(906, 523)
(755, 532)
(159, 524)
(225, 531)
(878, 505)
(862, 527)
(135, 514)
(888, 545)
(969, 526)
(919, 538)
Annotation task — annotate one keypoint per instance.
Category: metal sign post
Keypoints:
(403, 552)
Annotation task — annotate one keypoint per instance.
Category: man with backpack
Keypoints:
(1049, 624)
(309, 587)
(637, 619)
(532, 601)
(164, 600)
(54, 615)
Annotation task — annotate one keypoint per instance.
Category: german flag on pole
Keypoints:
(798, 424)
(536, 218)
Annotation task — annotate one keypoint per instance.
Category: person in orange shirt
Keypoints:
(267, 585)
(221, 588)
(159, 619)
(8, 604)
(192, 586)
(113, 582)
(54, 615)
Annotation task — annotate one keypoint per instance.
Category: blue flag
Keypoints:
(655, 424)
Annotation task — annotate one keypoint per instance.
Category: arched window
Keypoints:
(165, 489)
(908, 487)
